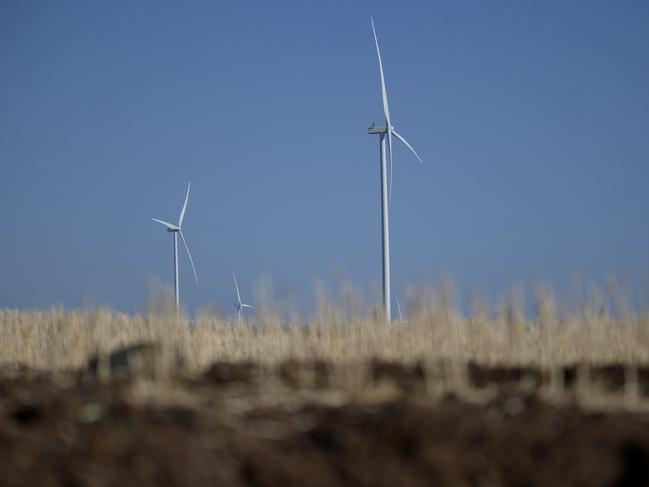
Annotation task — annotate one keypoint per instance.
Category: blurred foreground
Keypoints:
(297, 424)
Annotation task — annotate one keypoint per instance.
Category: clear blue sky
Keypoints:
(532, 119)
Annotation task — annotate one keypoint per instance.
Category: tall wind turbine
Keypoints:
(239, 305)
(385, 196)
(177, 230)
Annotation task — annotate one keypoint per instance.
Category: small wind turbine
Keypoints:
(383, 131)
(177, 230)
(400, 315)
(239, 305)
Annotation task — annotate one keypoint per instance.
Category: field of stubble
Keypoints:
(102, 398)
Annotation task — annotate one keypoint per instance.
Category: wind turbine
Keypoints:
(401, 320)
(239, 305)
(177, 230)
(385, 196)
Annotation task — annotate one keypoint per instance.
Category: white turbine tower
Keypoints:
(385, 196)
(239, 305)
(177, 230)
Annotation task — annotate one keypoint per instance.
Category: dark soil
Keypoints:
(82, 433)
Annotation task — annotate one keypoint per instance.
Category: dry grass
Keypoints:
(340, 332)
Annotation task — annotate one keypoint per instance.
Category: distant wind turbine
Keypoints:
(400, 315)
(239, 305)
(385, 196)
(177, 230)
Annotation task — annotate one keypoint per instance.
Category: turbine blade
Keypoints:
(189, 254)
(236, 284)
(405, 142)
(386, 110)
(168, 225)
(247, 306)
(399, 308)
(182, 212)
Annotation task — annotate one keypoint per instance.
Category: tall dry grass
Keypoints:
(341, 331)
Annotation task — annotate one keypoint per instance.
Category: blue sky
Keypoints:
(532, 119)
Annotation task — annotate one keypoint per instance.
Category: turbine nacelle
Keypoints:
(373, 129)
(376, 130)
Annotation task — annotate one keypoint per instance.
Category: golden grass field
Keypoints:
(339, 332)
